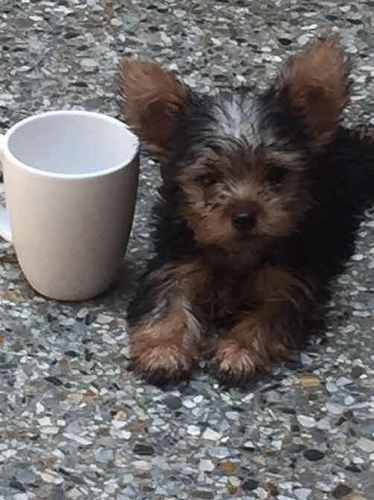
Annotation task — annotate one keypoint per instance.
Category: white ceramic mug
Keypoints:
(70, 184)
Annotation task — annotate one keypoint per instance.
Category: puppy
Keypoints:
(258, 209)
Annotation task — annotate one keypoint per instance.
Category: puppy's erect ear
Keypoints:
(315, 86)
(153, 101)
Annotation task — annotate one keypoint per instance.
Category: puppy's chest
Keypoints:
(228, 296)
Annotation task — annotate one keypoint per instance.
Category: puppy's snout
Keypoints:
(244, 217)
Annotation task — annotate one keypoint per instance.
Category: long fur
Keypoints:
(261, 199)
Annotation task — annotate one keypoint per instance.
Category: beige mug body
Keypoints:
(70, 185)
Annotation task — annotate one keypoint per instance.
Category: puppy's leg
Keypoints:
(165, 333)
(264, 334)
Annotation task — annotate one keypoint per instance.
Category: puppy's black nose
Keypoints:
(244, 220)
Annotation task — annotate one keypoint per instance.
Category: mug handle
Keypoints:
(5, 231)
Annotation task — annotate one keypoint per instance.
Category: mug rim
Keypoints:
(98, 173)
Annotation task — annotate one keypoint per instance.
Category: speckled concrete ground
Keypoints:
(74, 423)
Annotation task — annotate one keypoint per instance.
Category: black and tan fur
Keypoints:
(260, 202)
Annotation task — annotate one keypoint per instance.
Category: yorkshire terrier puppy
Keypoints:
(260, 201)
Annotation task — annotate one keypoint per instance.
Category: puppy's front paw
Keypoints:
(160, 360)
(233, 364)
(161, 365)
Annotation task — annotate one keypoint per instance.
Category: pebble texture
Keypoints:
(74, 422)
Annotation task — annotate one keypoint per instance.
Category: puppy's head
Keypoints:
(243, 164)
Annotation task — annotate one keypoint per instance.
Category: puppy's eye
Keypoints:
(276, 174)
(206, 180)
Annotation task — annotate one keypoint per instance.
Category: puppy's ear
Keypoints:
(153, 101)
(315, 87)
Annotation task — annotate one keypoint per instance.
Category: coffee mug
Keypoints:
(70, 185)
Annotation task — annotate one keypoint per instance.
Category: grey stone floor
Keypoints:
(74, 423)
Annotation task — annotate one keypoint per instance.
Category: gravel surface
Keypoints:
(74, 422)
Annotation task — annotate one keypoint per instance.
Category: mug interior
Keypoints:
(72, 143)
